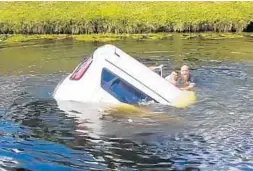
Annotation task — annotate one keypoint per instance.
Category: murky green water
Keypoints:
(214, 134)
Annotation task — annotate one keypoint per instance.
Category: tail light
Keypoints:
(81, 69)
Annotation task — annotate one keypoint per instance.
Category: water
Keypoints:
(216, 133)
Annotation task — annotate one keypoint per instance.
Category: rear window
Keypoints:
(81, 69)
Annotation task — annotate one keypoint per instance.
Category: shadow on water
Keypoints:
(38, 133)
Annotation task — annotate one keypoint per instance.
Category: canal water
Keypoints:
(216, 133)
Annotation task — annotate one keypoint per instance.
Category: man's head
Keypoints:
(185, 70)
(174, 75)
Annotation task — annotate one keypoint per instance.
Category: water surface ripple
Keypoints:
(216, 133)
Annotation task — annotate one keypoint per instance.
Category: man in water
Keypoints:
(185, 81)
(172, 78)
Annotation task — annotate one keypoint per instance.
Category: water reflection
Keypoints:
(43, 57)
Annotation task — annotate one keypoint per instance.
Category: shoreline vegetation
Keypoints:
(110, 21)
(18, 38)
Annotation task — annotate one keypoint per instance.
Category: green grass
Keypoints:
(123, 17)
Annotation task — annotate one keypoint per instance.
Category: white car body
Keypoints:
(115, 77)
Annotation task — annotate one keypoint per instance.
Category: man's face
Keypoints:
(174, 75)
(185, 71)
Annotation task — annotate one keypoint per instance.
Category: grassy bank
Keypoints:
(123, 17)
(109, 37)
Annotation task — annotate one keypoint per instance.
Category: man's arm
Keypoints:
(190, 86)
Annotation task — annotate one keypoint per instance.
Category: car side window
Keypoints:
(121, 89)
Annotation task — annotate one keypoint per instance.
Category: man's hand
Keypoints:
(189, 87)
